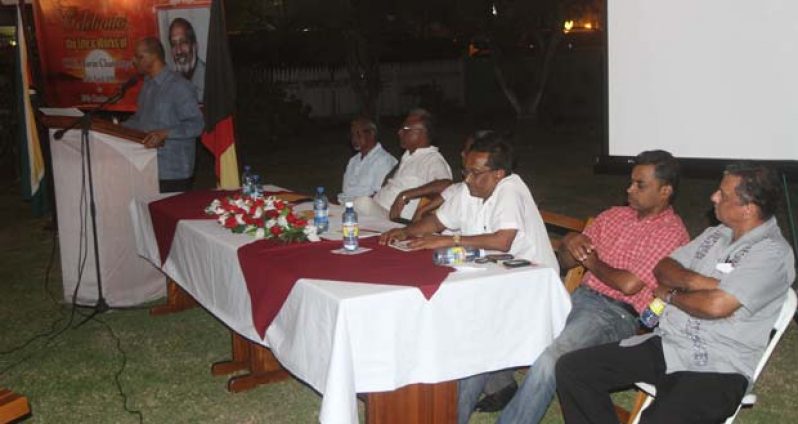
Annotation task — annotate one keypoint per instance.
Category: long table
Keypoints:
(344, 338)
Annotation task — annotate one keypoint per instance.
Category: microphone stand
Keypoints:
(84, 122)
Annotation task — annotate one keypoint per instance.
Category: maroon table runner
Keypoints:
(166, 213)
(271, 269)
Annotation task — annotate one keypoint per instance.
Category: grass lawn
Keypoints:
(162, 364)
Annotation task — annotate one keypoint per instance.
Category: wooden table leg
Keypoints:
(240, 360)
(416, 403)
(176, 300)
(258, 360)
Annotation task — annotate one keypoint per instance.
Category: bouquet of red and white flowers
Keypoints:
(262, 217)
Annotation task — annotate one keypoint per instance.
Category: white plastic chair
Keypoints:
(785, 316)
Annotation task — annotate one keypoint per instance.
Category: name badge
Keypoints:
(724, 267)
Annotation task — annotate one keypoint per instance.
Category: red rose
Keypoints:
(271, 214)
(230, 222)
(276, 230)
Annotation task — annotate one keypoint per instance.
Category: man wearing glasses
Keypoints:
(492, 210)
(421, 163)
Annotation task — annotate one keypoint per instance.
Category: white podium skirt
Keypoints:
(122, 170)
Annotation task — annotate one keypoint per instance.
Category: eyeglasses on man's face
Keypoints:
(473, 173)
(409, 128)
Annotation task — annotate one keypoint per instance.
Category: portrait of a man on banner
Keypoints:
(184, 34)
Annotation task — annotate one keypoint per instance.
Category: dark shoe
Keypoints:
(496, 401)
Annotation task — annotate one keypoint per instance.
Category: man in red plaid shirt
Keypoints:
(619, 250)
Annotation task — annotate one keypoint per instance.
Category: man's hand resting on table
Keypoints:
(155, 139)
(397, 234)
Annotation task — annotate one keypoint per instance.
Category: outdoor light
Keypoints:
(567, 25)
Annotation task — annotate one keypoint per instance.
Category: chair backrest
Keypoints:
(785, 316)
(555, 221)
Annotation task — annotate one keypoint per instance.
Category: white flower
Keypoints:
(258, 212)
(240, 219)
(270, 223)
(310, 233)
(214, 207)
(281, 221)
(260, 233)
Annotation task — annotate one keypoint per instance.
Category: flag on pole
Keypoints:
(219, 101)
(32, 169)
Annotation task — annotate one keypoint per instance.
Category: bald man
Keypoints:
(168, 111)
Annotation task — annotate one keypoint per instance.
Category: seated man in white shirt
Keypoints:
(492, 210)
(368, 168)
(420, 164)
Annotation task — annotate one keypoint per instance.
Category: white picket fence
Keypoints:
(328, 92)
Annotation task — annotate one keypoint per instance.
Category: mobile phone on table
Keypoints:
(516, 263)
(498, 257)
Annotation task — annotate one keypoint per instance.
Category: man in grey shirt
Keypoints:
(168, 111)
(724, 292)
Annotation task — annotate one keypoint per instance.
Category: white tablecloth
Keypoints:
(345, 338)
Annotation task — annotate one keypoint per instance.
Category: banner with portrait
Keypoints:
(86, 47)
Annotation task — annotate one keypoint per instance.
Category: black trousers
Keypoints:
(171, 186)
(586, 377)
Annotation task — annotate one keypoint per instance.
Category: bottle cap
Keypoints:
(657, 306)
(349, 204)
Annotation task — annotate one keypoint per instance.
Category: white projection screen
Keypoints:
(703, 79)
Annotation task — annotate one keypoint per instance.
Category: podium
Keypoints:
(123, 169)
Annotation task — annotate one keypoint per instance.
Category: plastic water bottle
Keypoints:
(246, 181)
(320, 213)
(349, 227)
(650, 316)
(256, 189)
(456, 255)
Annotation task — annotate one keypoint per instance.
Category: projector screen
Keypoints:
(706, 79)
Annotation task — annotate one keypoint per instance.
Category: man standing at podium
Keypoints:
(168, 111)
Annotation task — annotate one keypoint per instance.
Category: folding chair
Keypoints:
(648, 391)
(561, 223)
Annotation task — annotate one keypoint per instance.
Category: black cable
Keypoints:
(54, 333)
(121, 370)
(52, 329)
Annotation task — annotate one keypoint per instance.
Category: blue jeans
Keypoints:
(593, 320)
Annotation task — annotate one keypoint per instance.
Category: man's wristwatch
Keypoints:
(456, 239)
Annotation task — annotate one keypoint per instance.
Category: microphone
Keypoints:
(86, 118)
(127, 85)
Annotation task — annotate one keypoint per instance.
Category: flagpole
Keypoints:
(36, 81)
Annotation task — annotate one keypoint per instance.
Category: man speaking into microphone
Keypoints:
(168, 111)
